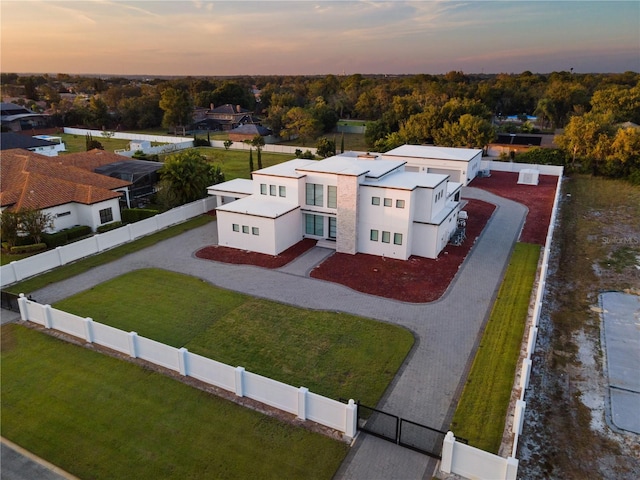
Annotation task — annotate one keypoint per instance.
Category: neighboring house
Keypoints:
(142, 174)
(15, 118)
(355, 203)
(248, 132)
(72, 195)
(461, 164)
(514, 143)
(42, 144)
(229, 116)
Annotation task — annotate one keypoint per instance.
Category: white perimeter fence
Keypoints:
(474, 463)
(37, 264)
(297, 401)
(174, 144)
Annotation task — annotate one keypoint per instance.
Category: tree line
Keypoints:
(455, 109)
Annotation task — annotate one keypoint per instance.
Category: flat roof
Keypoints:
(286, 169)
(240, 186)
(258, 207)
(350, 165)
(433, 152)
(409, 180)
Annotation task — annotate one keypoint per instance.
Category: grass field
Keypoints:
(77, 143)
(482, 409)
(81, 266)
(332, 354)
(102, 418)
(235, 163)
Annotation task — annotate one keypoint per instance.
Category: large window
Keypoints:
(283, 191)
(272, 190)
(386, 237)
(387, 202)
(314, 194)
(255, 230)
(263, 188)
(374, 235)
(375, 200)
(399, 203)
(245, 228)
(397, 238)
(332, 196)
(106, 215)
(235, 227)
(314, 224)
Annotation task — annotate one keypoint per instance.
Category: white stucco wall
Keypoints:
(80, 214)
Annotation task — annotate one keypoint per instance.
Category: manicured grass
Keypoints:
(77, 143)
(482, 409)
(235, 163)
(81, 266)
(332, 354)
(8, 258)
(102, 418)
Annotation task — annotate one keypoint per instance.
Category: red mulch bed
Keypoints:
(415, 280)
(537, 198)
(243, 257)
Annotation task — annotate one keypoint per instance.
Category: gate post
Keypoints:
(351, 419)
(447, 452)
(22, 305)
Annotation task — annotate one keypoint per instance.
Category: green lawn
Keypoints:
(8, 258)
(481, 412)
(235, 163)
(77, 143)
(332, 354)
(81, 266)
(102, 418)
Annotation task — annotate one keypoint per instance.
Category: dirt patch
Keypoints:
(244, 257)
(416, 280)
(537, 198)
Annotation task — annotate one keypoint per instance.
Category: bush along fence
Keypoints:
(297, 401)
(472, 462)
(28, 267)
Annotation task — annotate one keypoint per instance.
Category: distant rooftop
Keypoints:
(440, 153)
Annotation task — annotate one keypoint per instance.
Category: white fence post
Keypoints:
(47, 316)
(447, 452)
(182, 361)
(531, 344)
(14, 266)
(351, 419)
(525, 372)
(132, 345)
(239, 382)
(518, 417)
(22, 304)
(302, 403)
(512, 469)
(88, 329)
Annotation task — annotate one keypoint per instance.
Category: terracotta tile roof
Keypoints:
(32, 181)
(92, 159)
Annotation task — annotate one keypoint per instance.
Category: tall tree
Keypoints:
(258, 142)
(178, 109)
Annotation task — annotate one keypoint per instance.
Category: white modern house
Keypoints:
(461, 164)
(355, 203)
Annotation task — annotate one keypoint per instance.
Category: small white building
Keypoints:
(461, 164)
(355, 203)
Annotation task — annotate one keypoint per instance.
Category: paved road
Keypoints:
(446, 331)
(18, 464)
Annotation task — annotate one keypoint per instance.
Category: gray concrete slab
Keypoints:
(446, 331)
(18, 464)
(621, 343)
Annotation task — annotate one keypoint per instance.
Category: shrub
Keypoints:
(25, 240)
(108, 226)
(56, 239)
(34, 247)
(131, 215)
(201, 142)
(78, 231)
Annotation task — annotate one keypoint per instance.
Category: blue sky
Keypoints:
(182, 37)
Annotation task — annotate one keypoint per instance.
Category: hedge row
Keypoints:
(132, 215)
(108, 226)
(62, 237)
(34, 247)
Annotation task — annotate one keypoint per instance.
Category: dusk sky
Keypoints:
(203, 37)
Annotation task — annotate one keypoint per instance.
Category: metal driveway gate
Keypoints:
(405, 433)
(10, 301)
